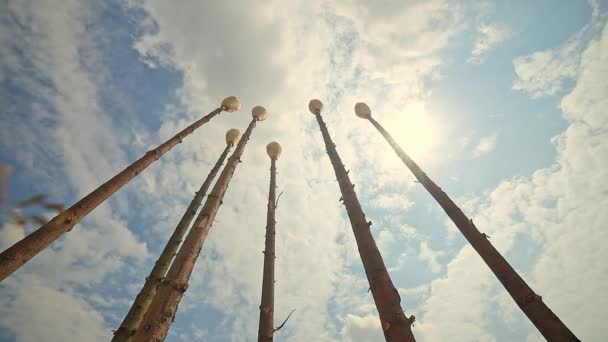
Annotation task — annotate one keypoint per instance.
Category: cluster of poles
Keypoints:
(154, 308)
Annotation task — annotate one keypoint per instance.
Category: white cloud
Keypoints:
(488, 37)
(456, 308)
(408, 232)
(339, 53)
(262, 63)
(559, 208)
(361, 329)
(391, 202)
(485, 146)
(37, 312)
(430, 256)
(543, 73)
(420, 290)
(70, 145)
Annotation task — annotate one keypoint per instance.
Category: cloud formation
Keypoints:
(336, 52)
(486, 145)
(488, 37)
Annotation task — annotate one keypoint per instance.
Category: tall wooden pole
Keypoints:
(160, 315)
(266, 327)
(395, 325)
(21, 252)
(547, 323)
(142, 302)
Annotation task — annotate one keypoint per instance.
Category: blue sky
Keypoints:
(502, 104)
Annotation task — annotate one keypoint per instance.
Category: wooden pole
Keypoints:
(21, 252)
(547, 323)
(160, 315)
(142, 302)
(395, 325)
(266, 327)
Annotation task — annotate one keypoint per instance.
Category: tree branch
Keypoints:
(276, 203)
(285, 321)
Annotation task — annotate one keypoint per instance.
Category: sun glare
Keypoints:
(415, 130)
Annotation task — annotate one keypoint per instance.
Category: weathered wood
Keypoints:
(142, 302)
(266, 328)
(395, 325)
(160, 315)
(547, 323)
(21, 252)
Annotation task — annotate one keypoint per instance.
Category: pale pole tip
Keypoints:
(259, 113)
(231, 104)
(233, 136)
(315, 106)
(274, 150)
(362, 110)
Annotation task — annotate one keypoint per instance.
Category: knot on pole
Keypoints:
(181, 287)
(155, 153)
(154, 278)
(532, 297)
(386, 325)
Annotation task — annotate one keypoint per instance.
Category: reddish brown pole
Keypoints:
(21, 252)
(142, 302)
(160, 315)
(547, 323)
(266, 327)
(395, 325)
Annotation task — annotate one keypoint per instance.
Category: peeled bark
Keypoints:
(547, 323)
(266, 328)
(21, 252)
(160, 315)
(142, 302)
(395, 325)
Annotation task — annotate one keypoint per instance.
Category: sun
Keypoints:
(415, 129)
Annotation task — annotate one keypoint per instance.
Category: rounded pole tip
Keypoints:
(274, 150)
(259, 113)
(231, 104)
(362, 110)
(315, 106)
(233, 136)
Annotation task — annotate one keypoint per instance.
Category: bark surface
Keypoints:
(549, 325)
(21, 252)
(266, 328)
(160, 315)
(142, 302)
(395, 325)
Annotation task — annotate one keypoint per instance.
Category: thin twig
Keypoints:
(276, 203)
(285, 321)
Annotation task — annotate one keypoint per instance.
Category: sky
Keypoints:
(503, 104)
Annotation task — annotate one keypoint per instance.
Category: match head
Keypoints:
(259, 113)
(315, 106)
(362, 110)
(231, 104)
(274, 150)
(233, 136)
